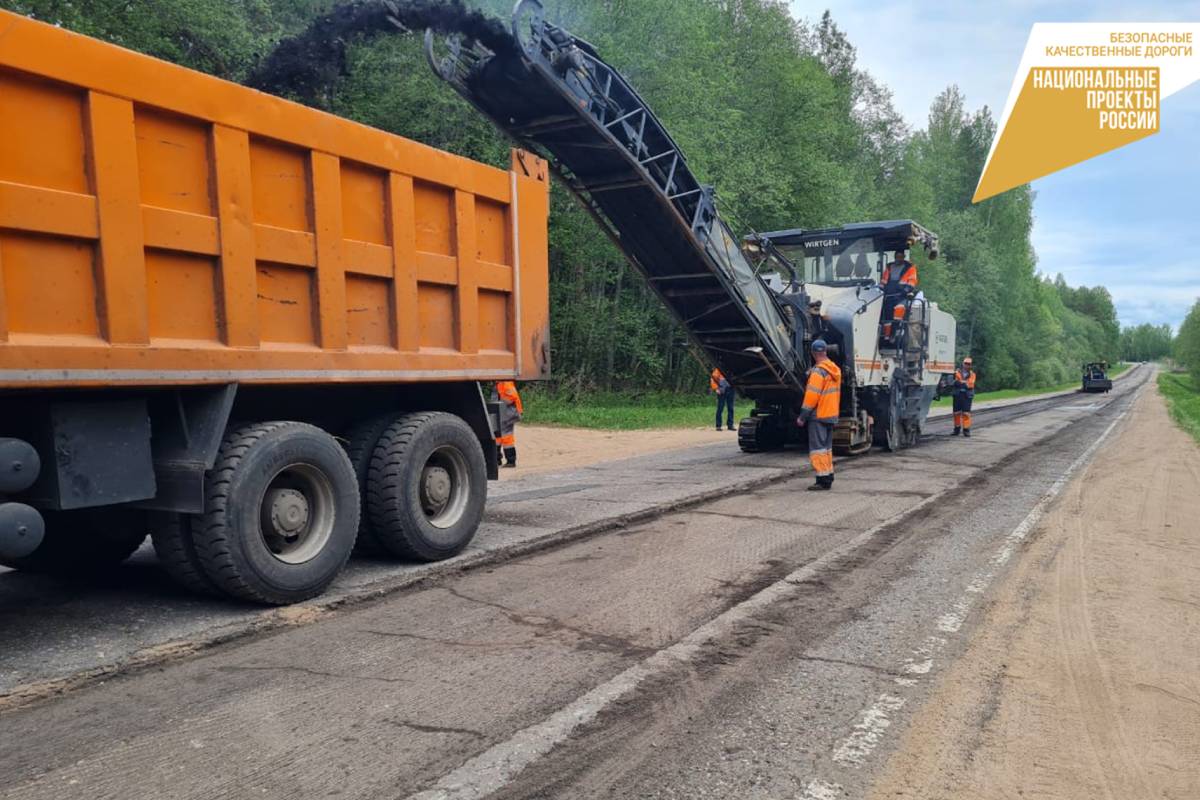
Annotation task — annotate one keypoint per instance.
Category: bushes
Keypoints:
(1187, 343)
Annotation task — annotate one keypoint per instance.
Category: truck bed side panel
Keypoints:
(159, 226)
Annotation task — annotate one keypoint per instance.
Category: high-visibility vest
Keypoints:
(823, 393)
(507, 391)
(714, 380)
(900, 272)
(965, 378)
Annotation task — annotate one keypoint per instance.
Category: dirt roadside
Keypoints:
(541, 448)
(1083, 681)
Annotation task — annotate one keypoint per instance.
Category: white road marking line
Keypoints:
(867, 734)
(919, 667)
(821, 790)
(952, 620)
(498, 766)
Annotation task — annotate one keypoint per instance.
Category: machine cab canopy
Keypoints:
(849, 255)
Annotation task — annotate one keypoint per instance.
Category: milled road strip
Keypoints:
(495, 768)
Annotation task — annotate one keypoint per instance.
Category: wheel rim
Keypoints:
(445, 487)
(296, 516)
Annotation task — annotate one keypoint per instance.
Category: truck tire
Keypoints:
(281, 513)
(360, 446)
(427, 486)
(171, 535)
(85, 541)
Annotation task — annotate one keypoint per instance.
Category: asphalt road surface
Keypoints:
(763, 643)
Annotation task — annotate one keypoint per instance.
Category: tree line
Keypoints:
(1146, 342)
(1186, 347)
(773, 111)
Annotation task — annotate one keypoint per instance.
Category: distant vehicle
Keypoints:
(1095, 377)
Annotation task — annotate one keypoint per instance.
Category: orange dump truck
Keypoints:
(248, 329)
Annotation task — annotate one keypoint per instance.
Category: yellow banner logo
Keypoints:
(1083, 90)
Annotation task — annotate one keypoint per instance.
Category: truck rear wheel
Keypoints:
(427, 486)
(281, 513)
(171, 535)
(84, 541)
(360, 447)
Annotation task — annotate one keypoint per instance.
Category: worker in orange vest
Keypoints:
(964, 393)
(820, 412)
(899, 282)
(511, 410)
(724, 390)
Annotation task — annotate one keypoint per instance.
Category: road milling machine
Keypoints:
(753, 307)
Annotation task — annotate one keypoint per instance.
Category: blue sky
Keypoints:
(1127, 219)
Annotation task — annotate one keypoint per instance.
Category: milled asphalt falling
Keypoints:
(384, 699)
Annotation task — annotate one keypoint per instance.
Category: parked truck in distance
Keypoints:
(246, 328)
(1095, 378)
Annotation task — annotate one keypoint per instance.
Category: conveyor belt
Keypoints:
(556, 97)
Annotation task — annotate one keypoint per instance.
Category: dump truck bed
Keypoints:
(162, 227)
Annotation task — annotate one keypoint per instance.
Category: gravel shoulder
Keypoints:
(1082, 680)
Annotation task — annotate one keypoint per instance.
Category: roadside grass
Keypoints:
(626, 412)
(1007, 394)
(1183, 398)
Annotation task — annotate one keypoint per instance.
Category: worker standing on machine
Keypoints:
(964, 393)
(724, 390)
(822, 406)
(511, 410)
(899, 283)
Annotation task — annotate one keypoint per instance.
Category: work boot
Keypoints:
(967, 432)
(958, 432)
(730, 428)
(510, 455)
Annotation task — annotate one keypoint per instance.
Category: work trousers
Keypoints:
(962, 410)
(725, 401)
(820, 447)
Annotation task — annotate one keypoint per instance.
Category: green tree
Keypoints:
(1187, 343)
